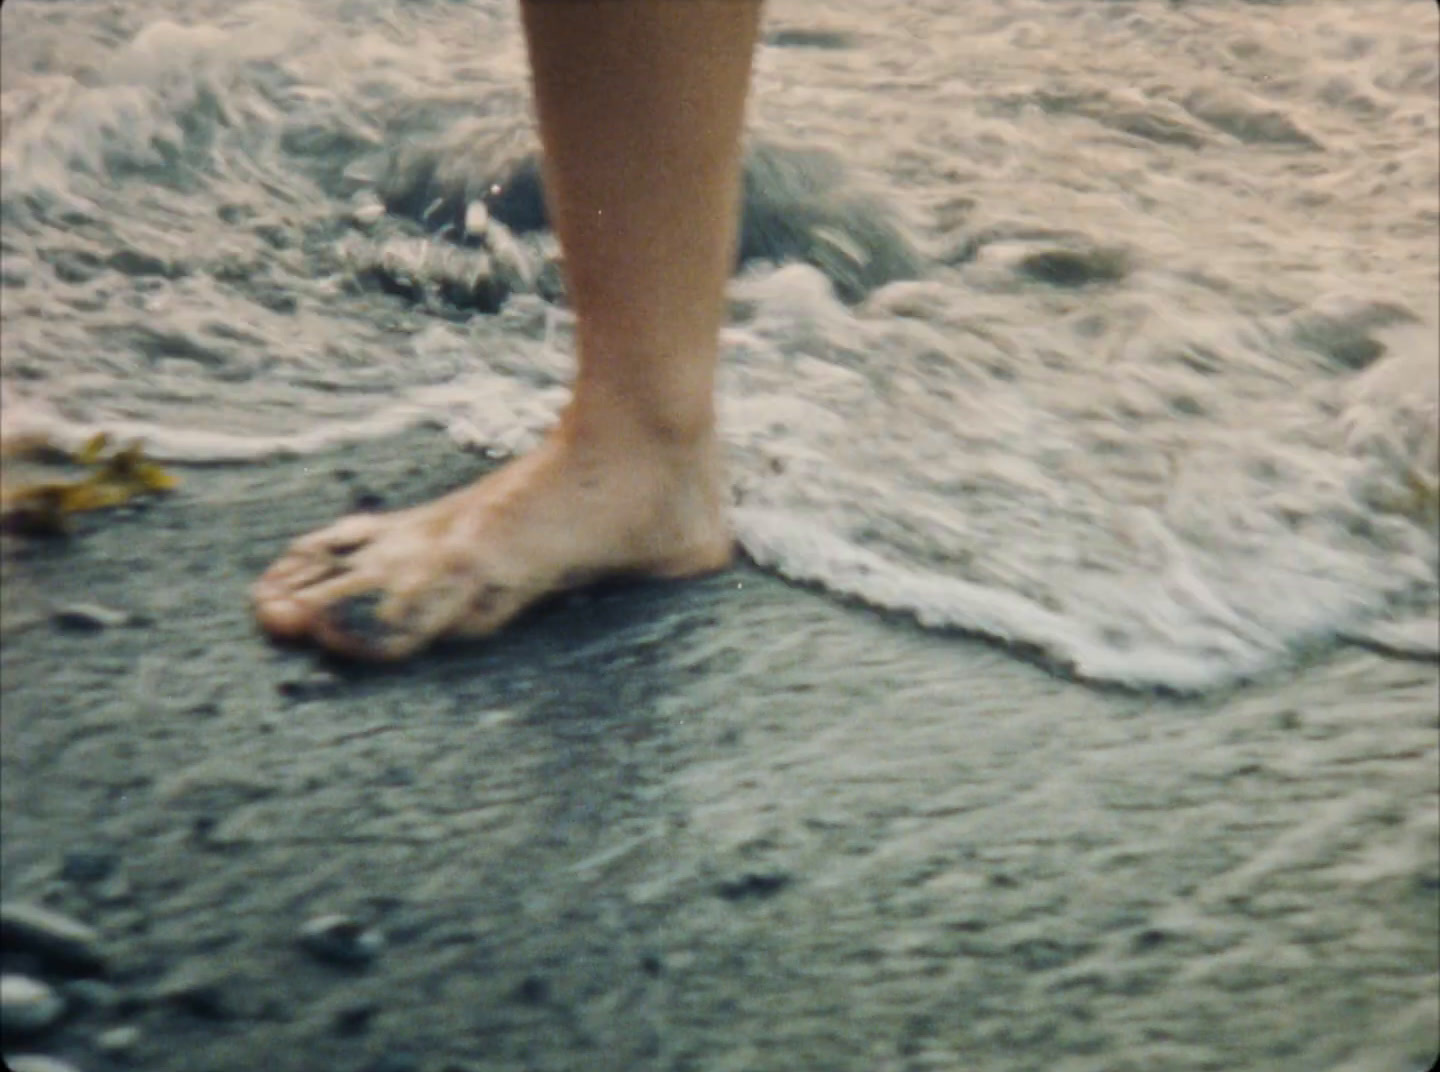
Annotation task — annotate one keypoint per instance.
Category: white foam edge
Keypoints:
(805, 553)
(199, 446)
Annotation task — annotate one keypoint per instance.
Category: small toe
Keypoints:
(360, 625)
(344, 537)
(358, 617)
(291, 611)
(295, 572)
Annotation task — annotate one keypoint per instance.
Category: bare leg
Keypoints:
(641, 104)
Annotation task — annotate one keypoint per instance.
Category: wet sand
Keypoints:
(731, 825)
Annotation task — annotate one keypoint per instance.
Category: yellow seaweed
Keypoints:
(93, 451)
(44, 508)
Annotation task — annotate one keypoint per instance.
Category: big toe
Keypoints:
(280, 608)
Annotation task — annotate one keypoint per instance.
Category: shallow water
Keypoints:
(1161, 408)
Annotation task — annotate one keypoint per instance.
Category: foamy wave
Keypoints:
(803, 552)
(486, 411)
(198, 446)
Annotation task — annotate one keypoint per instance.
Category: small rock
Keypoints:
(118, 1040)
(196, 991)
(87, 865)
(202, 826)
(340, 940)
(309, 685)
(27, 1006)
(114, 890)
(476, 218)
(367, 212)
(59, 939)
(533, 990)
(34, 1062)
(355, 1019)
(88, 617)
(1149, 938)
(753, 885)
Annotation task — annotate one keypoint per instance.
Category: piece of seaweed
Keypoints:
(45, 508)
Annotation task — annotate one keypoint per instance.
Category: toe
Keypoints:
(289, 610)
(279, 614)
(280, 597)
(405, 616)
(345, 537)
(287, 595)
(295, 572)
(365, 625)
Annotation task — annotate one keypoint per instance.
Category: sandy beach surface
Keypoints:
(728, 825)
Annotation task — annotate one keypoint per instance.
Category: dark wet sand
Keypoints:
(725, 826)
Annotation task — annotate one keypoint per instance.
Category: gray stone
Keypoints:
(339, 939)
(34, 1062)
(197, 990)
(87, 865)
(59, 939)
(477, 217)
(88, 617)
(367, 211)
(27, 1006)
(118, 1041)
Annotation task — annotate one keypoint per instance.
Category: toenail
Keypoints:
(358, 616)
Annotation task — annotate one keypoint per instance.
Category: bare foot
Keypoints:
(383, 586)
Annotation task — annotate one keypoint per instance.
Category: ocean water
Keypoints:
(1107, 330)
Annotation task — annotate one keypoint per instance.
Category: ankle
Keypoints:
(640, 427)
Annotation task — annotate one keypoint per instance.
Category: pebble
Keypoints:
(355, 1019)
(118, 1040)
(27, 1006)
(753, 885)
(476, 217)
(88, 617)
(309, 684)
(533, 990)
(338, 939)
(367, 212)
(87, 865)
(59, 939)
(195, 990)
(114, 890)
(34, 1062)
